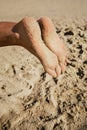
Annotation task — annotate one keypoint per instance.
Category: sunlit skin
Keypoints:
(40, 38)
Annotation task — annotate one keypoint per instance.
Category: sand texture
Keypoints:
(17, 9)
(30, 99)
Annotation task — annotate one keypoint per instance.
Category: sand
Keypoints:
(17, 9)
(30, 99)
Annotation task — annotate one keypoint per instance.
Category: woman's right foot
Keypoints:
(52, 41)
(30, 35)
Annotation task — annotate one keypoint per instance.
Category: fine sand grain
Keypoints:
(30, 99)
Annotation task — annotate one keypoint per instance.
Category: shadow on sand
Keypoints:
(84, 127)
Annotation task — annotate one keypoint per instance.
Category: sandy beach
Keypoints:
(30, 99)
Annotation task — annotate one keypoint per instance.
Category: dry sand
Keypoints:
(30, 99)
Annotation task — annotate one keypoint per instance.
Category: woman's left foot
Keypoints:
(52, 41)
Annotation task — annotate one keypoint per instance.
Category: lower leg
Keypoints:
(7, 36)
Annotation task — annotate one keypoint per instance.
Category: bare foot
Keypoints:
(30, 35)
(52, 40)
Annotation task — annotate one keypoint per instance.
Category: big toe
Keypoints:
(58, 70)
(62, 62)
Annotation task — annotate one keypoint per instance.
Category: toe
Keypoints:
(62, 63)
(51, 72)
(58, 70)
(63, 67)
